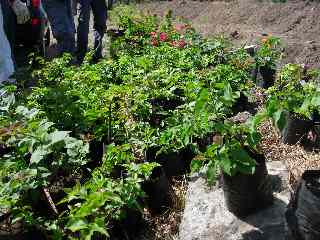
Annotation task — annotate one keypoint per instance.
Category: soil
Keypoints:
(297, 23)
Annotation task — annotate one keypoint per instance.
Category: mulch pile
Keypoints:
(295, 157)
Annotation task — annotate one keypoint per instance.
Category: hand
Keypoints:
(21, 10)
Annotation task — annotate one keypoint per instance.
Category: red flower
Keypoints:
(182, 43)
(154, 42)
(163, 37)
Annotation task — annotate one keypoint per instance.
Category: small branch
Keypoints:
(110, 124)
(138, 153)
(50, 201)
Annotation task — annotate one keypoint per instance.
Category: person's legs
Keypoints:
(9, 23)
(71, 26)
(62, 25)
(6, 63)
(83, 29)
(99, 9)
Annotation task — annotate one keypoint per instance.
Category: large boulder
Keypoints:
(206, 216)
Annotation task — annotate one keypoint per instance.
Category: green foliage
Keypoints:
(165, 87)
(231, 151)
(79, 97)
(295, 91)
(38, 152)
(103, 199)
(269, 53)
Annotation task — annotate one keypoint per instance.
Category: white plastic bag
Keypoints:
(6, 63)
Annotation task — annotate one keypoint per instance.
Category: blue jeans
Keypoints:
(62, 24)
(99, 10)
(6, 63)
(9, 21)
(9, 25)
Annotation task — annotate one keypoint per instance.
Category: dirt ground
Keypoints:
(297, 23)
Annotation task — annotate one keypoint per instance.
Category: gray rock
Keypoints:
(206, 216)
(241, 117)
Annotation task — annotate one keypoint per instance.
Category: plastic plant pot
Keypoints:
(245, 194)
(303, 212)
(296, 130)
(268, 77)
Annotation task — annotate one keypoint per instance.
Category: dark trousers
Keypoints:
(62, 24)
(99, 10)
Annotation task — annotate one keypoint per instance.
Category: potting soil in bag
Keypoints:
(296, 130)
(303, 212)
(158, 190)
(267, 77)
(245, 194)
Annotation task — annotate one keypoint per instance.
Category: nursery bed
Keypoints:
(296, 22)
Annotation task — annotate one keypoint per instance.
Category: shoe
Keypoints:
(96, 59)
(9, 81)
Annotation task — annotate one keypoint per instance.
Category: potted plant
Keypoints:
(293, 102)
(246, 184)
(267, 57)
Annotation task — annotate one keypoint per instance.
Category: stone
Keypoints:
(206, 216)
(241, 117)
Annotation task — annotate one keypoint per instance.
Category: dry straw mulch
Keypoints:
(166, 225)
(295, 157)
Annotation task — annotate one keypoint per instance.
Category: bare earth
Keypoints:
(297, 23)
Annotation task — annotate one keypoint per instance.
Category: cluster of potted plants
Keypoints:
(294, 102)
(139, 116)
(138, 119)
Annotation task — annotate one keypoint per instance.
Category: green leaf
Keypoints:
(306, 107)
(75, 224)
(26, 112)
(202, 100)
(58, 136)
(211, 172)
(246, 169)
(279, 118)
(226, 165)
(272, 106)
(196, 165)
(97, 226)
(315, 101)
(39, 154)
(227, 95)
(46, 125)
(256, 120)
(243, 162)
(253, 139)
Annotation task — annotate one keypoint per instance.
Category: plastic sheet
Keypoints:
(303, 213)
(296, 130)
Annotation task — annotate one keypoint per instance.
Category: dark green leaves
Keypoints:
(202, 100)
